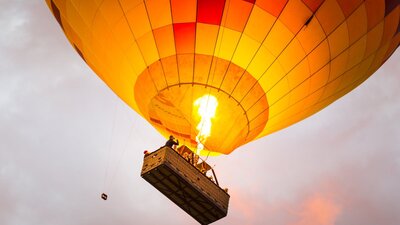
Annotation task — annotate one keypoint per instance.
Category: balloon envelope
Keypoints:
(268, 63)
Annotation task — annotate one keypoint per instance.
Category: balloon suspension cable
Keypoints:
(123, 153)
(110, 176)
(208, 154)
(108, 150)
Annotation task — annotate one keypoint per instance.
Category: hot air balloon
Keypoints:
(263, 65)
(218, 74)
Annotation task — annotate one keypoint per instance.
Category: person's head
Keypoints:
(171, 137)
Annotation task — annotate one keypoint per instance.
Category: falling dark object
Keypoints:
(182, 179)
(104, 196)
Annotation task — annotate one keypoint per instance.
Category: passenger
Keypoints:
(171, 142)
(195, 159)
(186, 156)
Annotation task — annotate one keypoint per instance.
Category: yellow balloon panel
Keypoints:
(164, 38)
(267, 63)
(357, 24)
(256, 30)
(159, 13)
(237, 16)
(294, 15)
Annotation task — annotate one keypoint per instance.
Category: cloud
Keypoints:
(318, 209)
(340, 166)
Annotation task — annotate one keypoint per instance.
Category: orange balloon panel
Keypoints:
(269, 63)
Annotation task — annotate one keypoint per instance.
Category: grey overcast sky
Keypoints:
(65, 138)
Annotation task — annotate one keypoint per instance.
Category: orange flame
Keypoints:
(207, 105)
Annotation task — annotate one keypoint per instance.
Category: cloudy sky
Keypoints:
(65, 138)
